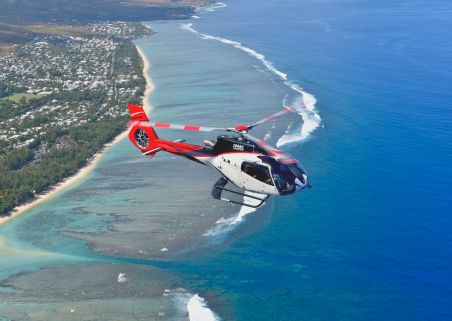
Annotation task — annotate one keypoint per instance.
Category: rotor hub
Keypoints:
(241, 128)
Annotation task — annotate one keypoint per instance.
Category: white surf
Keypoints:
(198, 311)
(225, 225)
(304, 104)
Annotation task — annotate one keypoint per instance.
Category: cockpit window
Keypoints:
(298, 171)
(258, 172)
(283, 177)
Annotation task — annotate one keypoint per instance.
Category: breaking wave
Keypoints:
(122, 278)
(304, 105)
(304, 102)
(212, 7)
(198, 311)
(238, 45)
(191, 304)
(227, 225)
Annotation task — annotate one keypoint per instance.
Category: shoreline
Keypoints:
(84, 171)
(149, 84)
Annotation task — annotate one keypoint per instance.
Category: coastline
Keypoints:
(84, 171)
(149, 84)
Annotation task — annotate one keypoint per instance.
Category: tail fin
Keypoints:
(142, 136)
(137, 113)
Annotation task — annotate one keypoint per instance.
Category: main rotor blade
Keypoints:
(240, 128)
(178, 126)
(285, 110)
(273, 151)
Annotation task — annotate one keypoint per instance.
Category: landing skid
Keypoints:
(218, 189)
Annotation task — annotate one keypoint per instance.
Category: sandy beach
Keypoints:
(83, 173)
(149, 84)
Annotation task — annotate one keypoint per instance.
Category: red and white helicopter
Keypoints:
(247, 162)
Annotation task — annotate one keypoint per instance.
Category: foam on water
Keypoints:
(304, 103)
(198, 310)
(212, 7)
(238, 45)
(192, 304)
(122, 278)
(227, 225)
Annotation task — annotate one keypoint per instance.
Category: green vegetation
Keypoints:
(65, 81)
(5, 49)
(21, 21)
(82, 11)
(87, 84)
(59, 30)
(20, 179)
(20, 98)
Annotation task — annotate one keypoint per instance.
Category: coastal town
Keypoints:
(55, 92)
(44, 70)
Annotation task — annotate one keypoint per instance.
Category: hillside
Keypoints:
(18, 11)
(16, 16)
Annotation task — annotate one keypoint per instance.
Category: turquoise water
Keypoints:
(370, 241)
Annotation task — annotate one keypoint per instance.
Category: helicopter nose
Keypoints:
(301, 183)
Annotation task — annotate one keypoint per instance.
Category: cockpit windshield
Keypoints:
(283, 177)
(298, 171)
(258, 172)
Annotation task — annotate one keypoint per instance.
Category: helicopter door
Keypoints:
(257, 178)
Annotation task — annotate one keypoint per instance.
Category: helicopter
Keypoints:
(249, 163)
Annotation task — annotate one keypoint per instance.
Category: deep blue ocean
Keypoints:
(372, 239)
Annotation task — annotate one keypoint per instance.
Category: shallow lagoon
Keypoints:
(131, 212)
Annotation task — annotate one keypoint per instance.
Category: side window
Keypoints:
(258, 172)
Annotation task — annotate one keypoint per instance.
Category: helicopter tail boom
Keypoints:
(144, 137)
